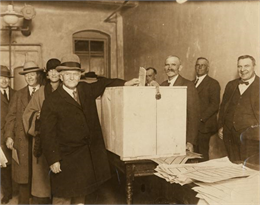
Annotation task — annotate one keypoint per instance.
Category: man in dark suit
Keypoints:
(71, 134)
(172, 69)
(15, 134)
(6, 172)
(239, 110)
(150, 76)
(209, 95)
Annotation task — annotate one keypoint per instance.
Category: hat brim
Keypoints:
(29, 71)
(64, 68)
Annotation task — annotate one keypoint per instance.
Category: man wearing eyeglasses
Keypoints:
(15, 134)
(239, 111)
(209, 95)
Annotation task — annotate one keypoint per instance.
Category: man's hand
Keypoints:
(55, 168)
(10, 143)
(189, 147)
(220, 133)
(154, 83)
(134, 81)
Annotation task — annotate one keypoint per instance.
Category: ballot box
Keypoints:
(136, 125)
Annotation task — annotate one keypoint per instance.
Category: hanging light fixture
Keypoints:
(11, 17)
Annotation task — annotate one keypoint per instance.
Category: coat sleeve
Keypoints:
(223, 105)
(193, 113)
(99, 87)
(48, 130)
(214, 100)
(10, 119)
(34, 105)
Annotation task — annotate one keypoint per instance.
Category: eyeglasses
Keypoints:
(201, 65)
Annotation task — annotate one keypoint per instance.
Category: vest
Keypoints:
(240, 113)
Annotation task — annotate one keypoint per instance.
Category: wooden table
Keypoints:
(139, 168)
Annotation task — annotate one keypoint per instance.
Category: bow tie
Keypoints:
(243, 82)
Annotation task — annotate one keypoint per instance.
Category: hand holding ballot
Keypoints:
(134, 81)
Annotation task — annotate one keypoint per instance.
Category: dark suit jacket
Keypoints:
(192, 107)
(209, 95)
(4, 110)
(228, 94)
(15, 130)
(71, 134)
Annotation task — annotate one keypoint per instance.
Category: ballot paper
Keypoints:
(3, 159)
(177, 159)
(142, 76)
(15, 155)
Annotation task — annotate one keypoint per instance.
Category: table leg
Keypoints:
(129, 183)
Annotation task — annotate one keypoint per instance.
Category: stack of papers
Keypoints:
(177, 159)
(218, 181)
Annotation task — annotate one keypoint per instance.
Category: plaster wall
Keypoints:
(56, 22)
(218, 30)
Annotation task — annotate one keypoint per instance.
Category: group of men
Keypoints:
(70, 132)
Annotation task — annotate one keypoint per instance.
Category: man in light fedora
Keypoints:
(71, 134)
(6, 95)
(15, 134)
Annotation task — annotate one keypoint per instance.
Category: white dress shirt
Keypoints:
(200, 79)
(172, 81)
(7, 92)
(243, 87)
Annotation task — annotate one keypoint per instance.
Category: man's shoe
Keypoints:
(5, 199)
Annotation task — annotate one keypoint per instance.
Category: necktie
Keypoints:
(243, 82)
(196, 81)
(5, 94)
(34, 89)
(76, 97)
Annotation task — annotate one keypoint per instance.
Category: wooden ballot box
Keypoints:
(136, 125)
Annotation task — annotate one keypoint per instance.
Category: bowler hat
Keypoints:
(69, 62)
(91, 74)
(5, 72)
(52, 64)
(29, 67)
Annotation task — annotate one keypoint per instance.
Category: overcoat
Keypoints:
(40, 169)
(14, 129)
(209, 96)
(4, 110)
(71, 134)
(193, 110)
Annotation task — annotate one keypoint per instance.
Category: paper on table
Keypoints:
(142, 76)
(15, 155)
(3, 159)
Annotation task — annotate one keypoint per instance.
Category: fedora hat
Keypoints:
(5, 72)
(90, 74)
(30, 66)
(52, 64)
(69, 62)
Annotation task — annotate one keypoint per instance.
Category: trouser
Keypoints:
(6, 181)
(203, 145)
(24, 193)
(72, 200)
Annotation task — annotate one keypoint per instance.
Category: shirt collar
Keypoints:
(7, 89)
(251, 80)
(31, 88)
(201, 77)
(172, 81)
(68, 90)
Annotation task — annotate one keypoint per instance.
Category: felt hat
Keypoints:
(91, 74)
(30, 66)
(5, 72)
(52, 64)
(70, 62)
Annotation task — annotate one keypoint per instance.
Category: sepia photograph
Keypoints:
(130, 102)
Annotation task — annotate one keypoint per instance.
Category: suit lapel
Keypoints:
(25, 96)
(3, 99)
(66, 96)
(254, 94)
(179, 81)
(203, 84)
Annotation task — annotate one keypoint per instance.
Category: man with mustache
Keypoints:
(239, 110)
(172, 69)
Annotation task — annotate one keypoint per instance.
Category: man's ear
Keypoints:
(180, 67)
